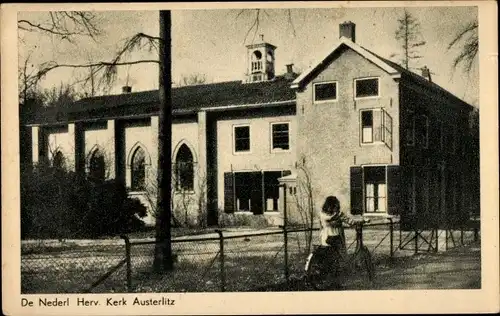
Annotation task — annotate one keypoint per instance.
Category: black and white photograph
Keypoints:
(306, 150)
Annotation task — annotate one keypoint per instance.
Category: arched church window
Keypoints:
(184, 169)
(58, 161)
(97, 165)
(138, 169)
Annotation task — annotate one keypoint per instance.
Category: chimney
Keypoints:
(348, 29)
(126, 89)
(426, 73)
(289, 72)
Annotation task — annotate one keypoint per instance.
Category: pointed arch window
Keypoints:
(97, 165)
(184, 169)
(138, 168)
(59, 161)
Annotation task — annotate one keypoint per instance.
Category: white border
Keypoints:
(327, 100)
(245, 152)
(367, 97)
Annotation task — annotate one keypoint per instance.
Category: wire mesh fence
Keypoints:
(223, 262)
(196, 267)
(71, 268)
(253, 260)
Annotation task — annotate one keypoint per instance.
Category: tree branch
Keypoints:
(81, 24)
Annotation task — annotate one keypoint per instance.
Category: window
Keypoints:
(449, 138)
(387, 129)
(242, 138)
(376, 126)
(184, 169)
(271, 190)
(422, 130)
(97, 165)
(255, 192)
(280, 136)
(375, 190)
(59, 162)
(367, 126)
(326, 91)
(256, 61)
(410, 130)
(366, 88)
(248, 191)
(138, 170)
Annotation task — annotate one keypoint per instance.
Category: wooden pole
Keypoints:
(163, 249)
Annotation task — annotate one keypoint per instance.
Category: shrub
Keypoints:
(242, 219)
(59, 204)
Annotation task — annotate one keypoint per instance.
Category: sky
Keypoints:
(212, 42)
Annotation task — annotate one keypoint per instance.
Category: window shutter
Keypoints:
(387, 129)
(356, 190)
(257, 198)
(229, 206)
(393, 192)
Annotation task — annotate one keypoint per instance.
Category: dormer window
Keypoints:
(366, 88)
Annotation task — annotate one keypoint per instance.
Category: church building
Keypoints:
(386, 141)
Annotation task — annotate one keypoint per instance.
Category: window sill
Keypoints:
(280, 151)
(373, 143)
(243, 212)
(238, 153)
(136, 192)
(326, 101)
(189, 192)
(380, 214)
(366, 98)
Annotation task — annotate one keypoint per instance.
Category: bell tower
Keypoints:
(261, 60)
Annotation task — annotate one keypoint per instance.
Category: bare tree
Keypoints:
(304, 202)
(60, 97)
(69, 25)
(468, 41)
(408, 34)
(257, 15)
(151, 195)
(192, 80)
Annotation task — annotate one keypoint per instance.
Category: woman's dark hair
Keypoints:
(331, 202)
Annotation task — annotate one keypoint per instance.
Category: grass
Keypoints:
(251, 263)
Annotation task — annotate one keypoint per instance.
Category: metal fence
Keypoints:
(70, 268)
(224, 261)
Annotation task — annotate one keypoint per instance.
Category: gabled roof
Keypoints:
(390, 67)
(423, 81)
(188, 99)
(343, 41)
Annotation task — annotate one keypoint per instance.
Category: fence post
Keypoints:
(285, 245)
(462, 235)
(391, 237)
(221, 254)
(446, 239)
(285, 234)
(437, 240)
(416, 240)
(128, 262)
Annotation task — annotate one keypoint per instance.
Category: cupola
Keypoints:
(261, 61)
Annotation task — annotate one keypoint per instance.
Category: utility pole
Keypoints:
(163, 248)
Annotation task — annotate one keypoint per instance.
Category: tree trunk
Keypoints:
(163, 247)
